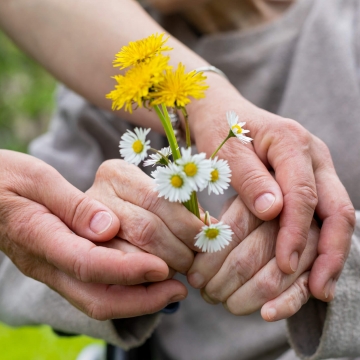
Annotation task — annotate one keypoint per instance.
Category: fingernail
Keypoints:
(176, 298)
(333, 289)
(294, 261)
(264, 202)
(154, 276)
(271, 313)
(101, 222)
(196, 280)
(329, 290)
(206, 297)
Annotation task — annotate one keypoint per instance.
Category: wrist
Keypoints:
(209, 114)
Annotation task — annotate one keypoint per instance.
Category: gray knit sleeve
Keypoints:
(322, 331)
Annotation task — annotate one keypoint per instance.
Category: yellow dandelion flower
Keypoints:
(176, 88)
(140, 51)
(135, 86)
(157, 67)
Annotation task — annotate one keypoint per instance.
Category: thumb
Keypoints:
(85, 216)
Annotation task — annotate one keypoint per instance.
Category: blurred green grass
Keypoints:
(39, 343)
(26, 104)
(26, 97)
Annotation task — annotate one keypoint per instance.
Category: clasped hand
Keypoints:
(112, 252)
(244, 276)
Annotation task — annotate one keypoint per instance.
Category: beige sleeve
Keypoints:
(322, 331)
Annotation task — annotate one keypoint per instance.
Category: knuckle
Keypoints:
(293, 302)
(239, 228)
(322, 148)
(144, 231)
(107, 169)
(305, 194)
(242, 268)
(81, 268)
(298, 132)
(268, 284)
(348, 213)
(299, 296)
(149, 199)
(96, 310)
(298, 235)
(83, 207)
(253, 182)
(324, 159)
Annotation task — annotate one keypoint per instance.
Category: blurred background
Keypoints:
(26, 104)
(26, 99)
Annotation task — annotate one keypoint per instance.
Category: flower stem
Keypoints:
(165, 121)
(187, 127)
(221, 145)
(192, 204)
(162, 156)
(207, 218)
(195, 204)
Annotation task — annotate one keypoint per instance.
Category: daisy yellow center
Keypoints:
(237, 128)
(176, 181)
(214, 175)
(190, 169)
(212, 233)
(138, 146)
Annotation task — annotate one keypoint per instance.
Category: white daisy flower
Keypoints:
(134, 146)
(237, 128)
(172, 183)
(213, 237)
(157, 158)
(220, 176)
(196, 167)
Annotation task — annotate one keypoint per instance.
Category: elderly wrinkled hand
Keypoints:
(50, 230)
(305, 181)
(147, 221)
(245, 277)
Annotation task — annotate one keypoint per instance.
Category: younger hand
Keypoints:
(48, 229)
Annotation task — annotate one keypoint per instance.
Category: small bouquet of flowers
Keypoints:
(152, 83)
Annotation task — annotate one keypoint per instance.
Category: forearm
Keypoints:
(77, 41)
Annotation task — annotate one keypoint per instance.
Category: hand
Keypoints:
(305, 181)
(153, 224)
(44, 229)
(245, 276)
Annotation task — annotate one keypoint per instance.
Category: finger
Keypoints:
(338, 216)
(270, 281)
(104, 302)
(125, 246)
(44, 236)
(132, 185)
(250, 178)
(86, 217)
(243, 262)
(122, 245)
(290, 158)
(289, 302)
(148, 232)
(206, 265)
